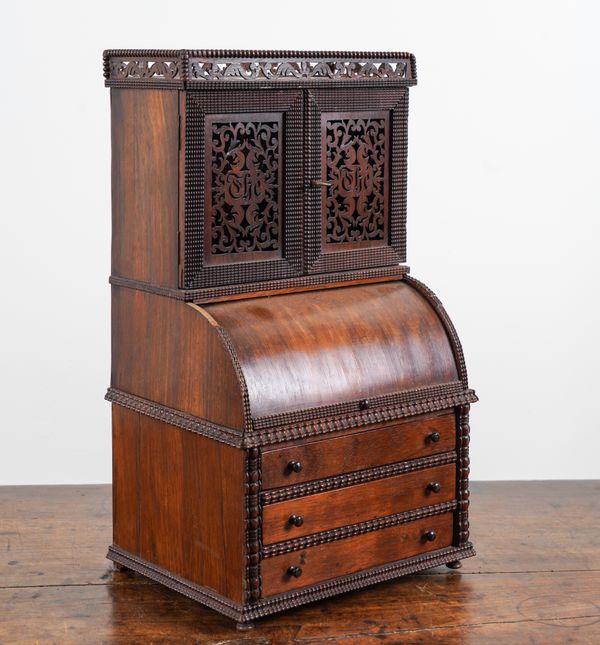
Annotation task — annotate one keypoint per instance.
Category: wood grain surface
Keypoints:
(304, 350)
(145, 190)
(341, 557)
(181, 501)
(358, 503)
(168, 352)
(536, 580)
(358, 450)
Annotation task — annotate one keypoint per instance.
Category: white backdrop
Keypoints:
(504, 209)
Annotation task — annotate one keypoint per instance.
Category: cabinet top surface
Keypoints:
(182, 68)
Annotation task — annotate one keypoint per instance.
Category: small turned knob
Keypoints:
(364, 404)
(434, 437)
(294, 571)
(429, 536)
(294, 465)
(434, 487)
(296, 520)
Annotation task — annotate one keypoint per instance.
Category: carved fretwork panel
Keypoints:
(356, 179)
(243, 194)
(243, 187)
(355, 205)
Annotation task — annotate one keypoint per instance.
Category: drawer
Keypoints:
(357, 451)
(334, 559)
(358, 503)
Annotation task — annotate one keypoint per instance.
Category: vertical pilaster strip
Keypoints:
(461, 533)
(253, 521)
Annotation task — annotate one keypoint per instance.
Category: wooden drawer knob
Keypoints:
(295, 572)
(434, 437)
(296, 520)
(295, 466)
(434, 487)
(429, 536)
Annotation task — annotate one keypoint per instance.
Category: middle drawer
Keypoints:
(332, 509)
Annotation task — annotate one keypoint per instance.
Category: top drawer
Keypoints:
(365, 449)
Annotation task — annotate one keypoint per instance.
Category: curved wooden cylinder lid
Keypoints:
(317, 348)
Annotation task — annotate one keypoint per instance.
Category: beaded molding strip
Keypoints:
(358, 405)
(174, 417)
(369, 526)
(324, 425)
(252, 438)
(309, 282)
(181, 68)
(253, 525)
(357, 477)
(289, 600)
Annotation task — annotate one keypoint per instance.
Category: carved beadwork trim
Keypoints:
(203, 268)
(227, 342)
(377, 404)
(372, 105)
(369, 526)
(358, 477)
(251, 437)
(292, 599)
(461, 531)
(193, 68)
(435, 302)
(307, 283)
(253, 525)
(322, 426)
(174, 417)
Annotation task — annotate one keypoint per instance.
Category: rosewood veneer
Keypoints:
(290, 407)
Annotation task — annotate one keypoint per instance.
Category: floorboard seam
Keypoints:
(440, 627)
(142, 581)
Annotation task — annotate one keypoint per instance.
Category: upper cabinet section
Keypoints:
(290, 169)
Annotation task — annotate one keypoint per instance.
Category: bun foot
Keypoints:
(244, 625)
(455, 564)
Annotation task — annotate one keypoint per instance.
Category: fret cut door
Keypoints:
(356, 179)
(243, 187)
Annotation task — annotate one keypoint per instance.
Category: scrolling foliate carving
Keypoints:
(256, 70)
(142, 69)
(355, 204)
(243, 186)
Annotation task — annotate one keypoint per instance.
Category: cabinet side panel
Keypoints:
(126, 446)
(145, 190)
(166, 351)
(192, 507)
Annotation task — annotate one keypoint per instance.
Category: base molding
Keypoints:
(296, 598)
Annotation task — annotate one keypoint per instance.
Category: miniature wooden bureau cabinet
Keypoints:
(290, 407)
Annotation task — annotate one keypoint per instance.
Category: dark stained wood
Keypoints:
(309, 349)
(358, 450)
(145, 193)
(542, 590)
(180, 498)
(219, 185)
(358, 503)
(126, 478)
(334, 559)
(169, 352)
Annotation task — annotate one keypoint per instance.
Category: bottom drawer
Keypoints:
(334, 559)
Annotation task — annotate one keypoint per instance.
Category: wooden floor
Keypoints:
(536, 580)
